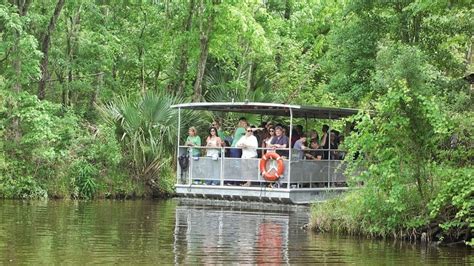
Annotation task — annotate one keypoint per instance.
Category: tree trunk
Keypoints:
(288, 6)
(204, 44)
(249, 78)
(99, 82)
(205, 31)
(141, 53)
(45, 49)
(71, 39)
(23, 6)
(180, 81)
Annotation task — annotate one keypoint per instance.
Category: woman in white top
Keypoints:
(249, 144)
(213, 142)
(268, 140)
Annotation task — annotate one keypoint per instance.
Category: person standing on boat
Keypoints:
(325, 141)
(280, 141)
(249, 144)
(267, 141)
(239, 132)
(193, 140)
(220, 132)
(213, 142)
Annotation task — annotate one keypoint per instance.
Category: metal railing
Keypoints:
(223, 171)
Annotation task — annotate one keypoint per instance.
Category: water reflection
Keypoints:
(209, 234)
(188, 232)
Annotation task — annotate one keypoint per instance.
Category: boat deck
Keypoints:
(222, 178)
(263, 194)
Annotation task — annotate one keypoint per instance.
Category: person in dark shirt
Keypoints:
(325, 141)
(280, 142)
(334, 146)
(314, 154)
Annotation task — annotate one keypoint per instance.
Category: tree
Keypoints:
(45, 48)
(207, 14)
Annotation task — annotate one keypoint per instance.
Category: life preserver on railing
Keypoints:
(275, 171)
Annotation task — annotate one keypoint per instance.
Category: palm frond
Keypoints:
(149, 127)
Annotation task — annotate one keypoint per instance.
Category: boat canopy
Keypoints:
(273, 109)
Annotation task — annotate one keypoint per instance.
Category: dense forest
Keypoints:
(85, 90)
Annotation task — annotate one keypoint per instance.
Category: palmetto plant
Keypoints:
(147, 127)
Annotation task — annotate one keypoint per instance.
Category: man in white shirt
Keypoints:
(249, 144)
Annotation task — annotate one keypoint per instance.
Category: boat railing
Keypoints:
(230, 171)
(222, 150)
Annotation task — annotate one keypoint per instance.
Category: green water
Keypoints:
(189, 232)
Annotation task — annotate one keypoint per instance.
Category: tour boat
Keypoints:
(272, 178)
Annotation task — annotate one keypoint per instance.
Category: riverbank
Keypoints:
(348, 215)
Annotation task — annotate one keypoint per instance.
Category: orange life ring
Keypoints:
(273, 174)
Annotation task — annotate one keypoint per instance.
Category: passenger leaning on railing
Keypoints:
(315, 153)
(220, 132)
(280, 141)
(249, 145)
(238, 133)
(325, 141)
(270, 134)
(213, 144)
(193, 140)
(300, 147)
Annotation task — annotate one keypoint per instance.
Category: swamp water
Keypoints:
(187, 231)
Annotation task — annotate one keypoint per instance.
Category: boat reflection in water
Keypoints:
(245, 233)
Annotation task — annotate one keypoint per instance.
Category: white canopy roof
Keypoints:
(273, 109)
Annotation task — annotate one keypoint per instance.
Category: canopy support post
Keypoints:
(289, 147)
(328, 139)
(178, 170)
(221, 181)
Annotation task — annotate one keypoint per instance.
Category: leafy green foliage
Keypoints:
(56, 156)
(16, 45)
(84, 180)
(21, 188)
(454, 204)
(147, 128)
(401, 62)
(411, 150)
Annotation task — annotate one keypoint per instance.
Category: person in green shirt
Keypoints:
(193, 140)
(239, 132)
